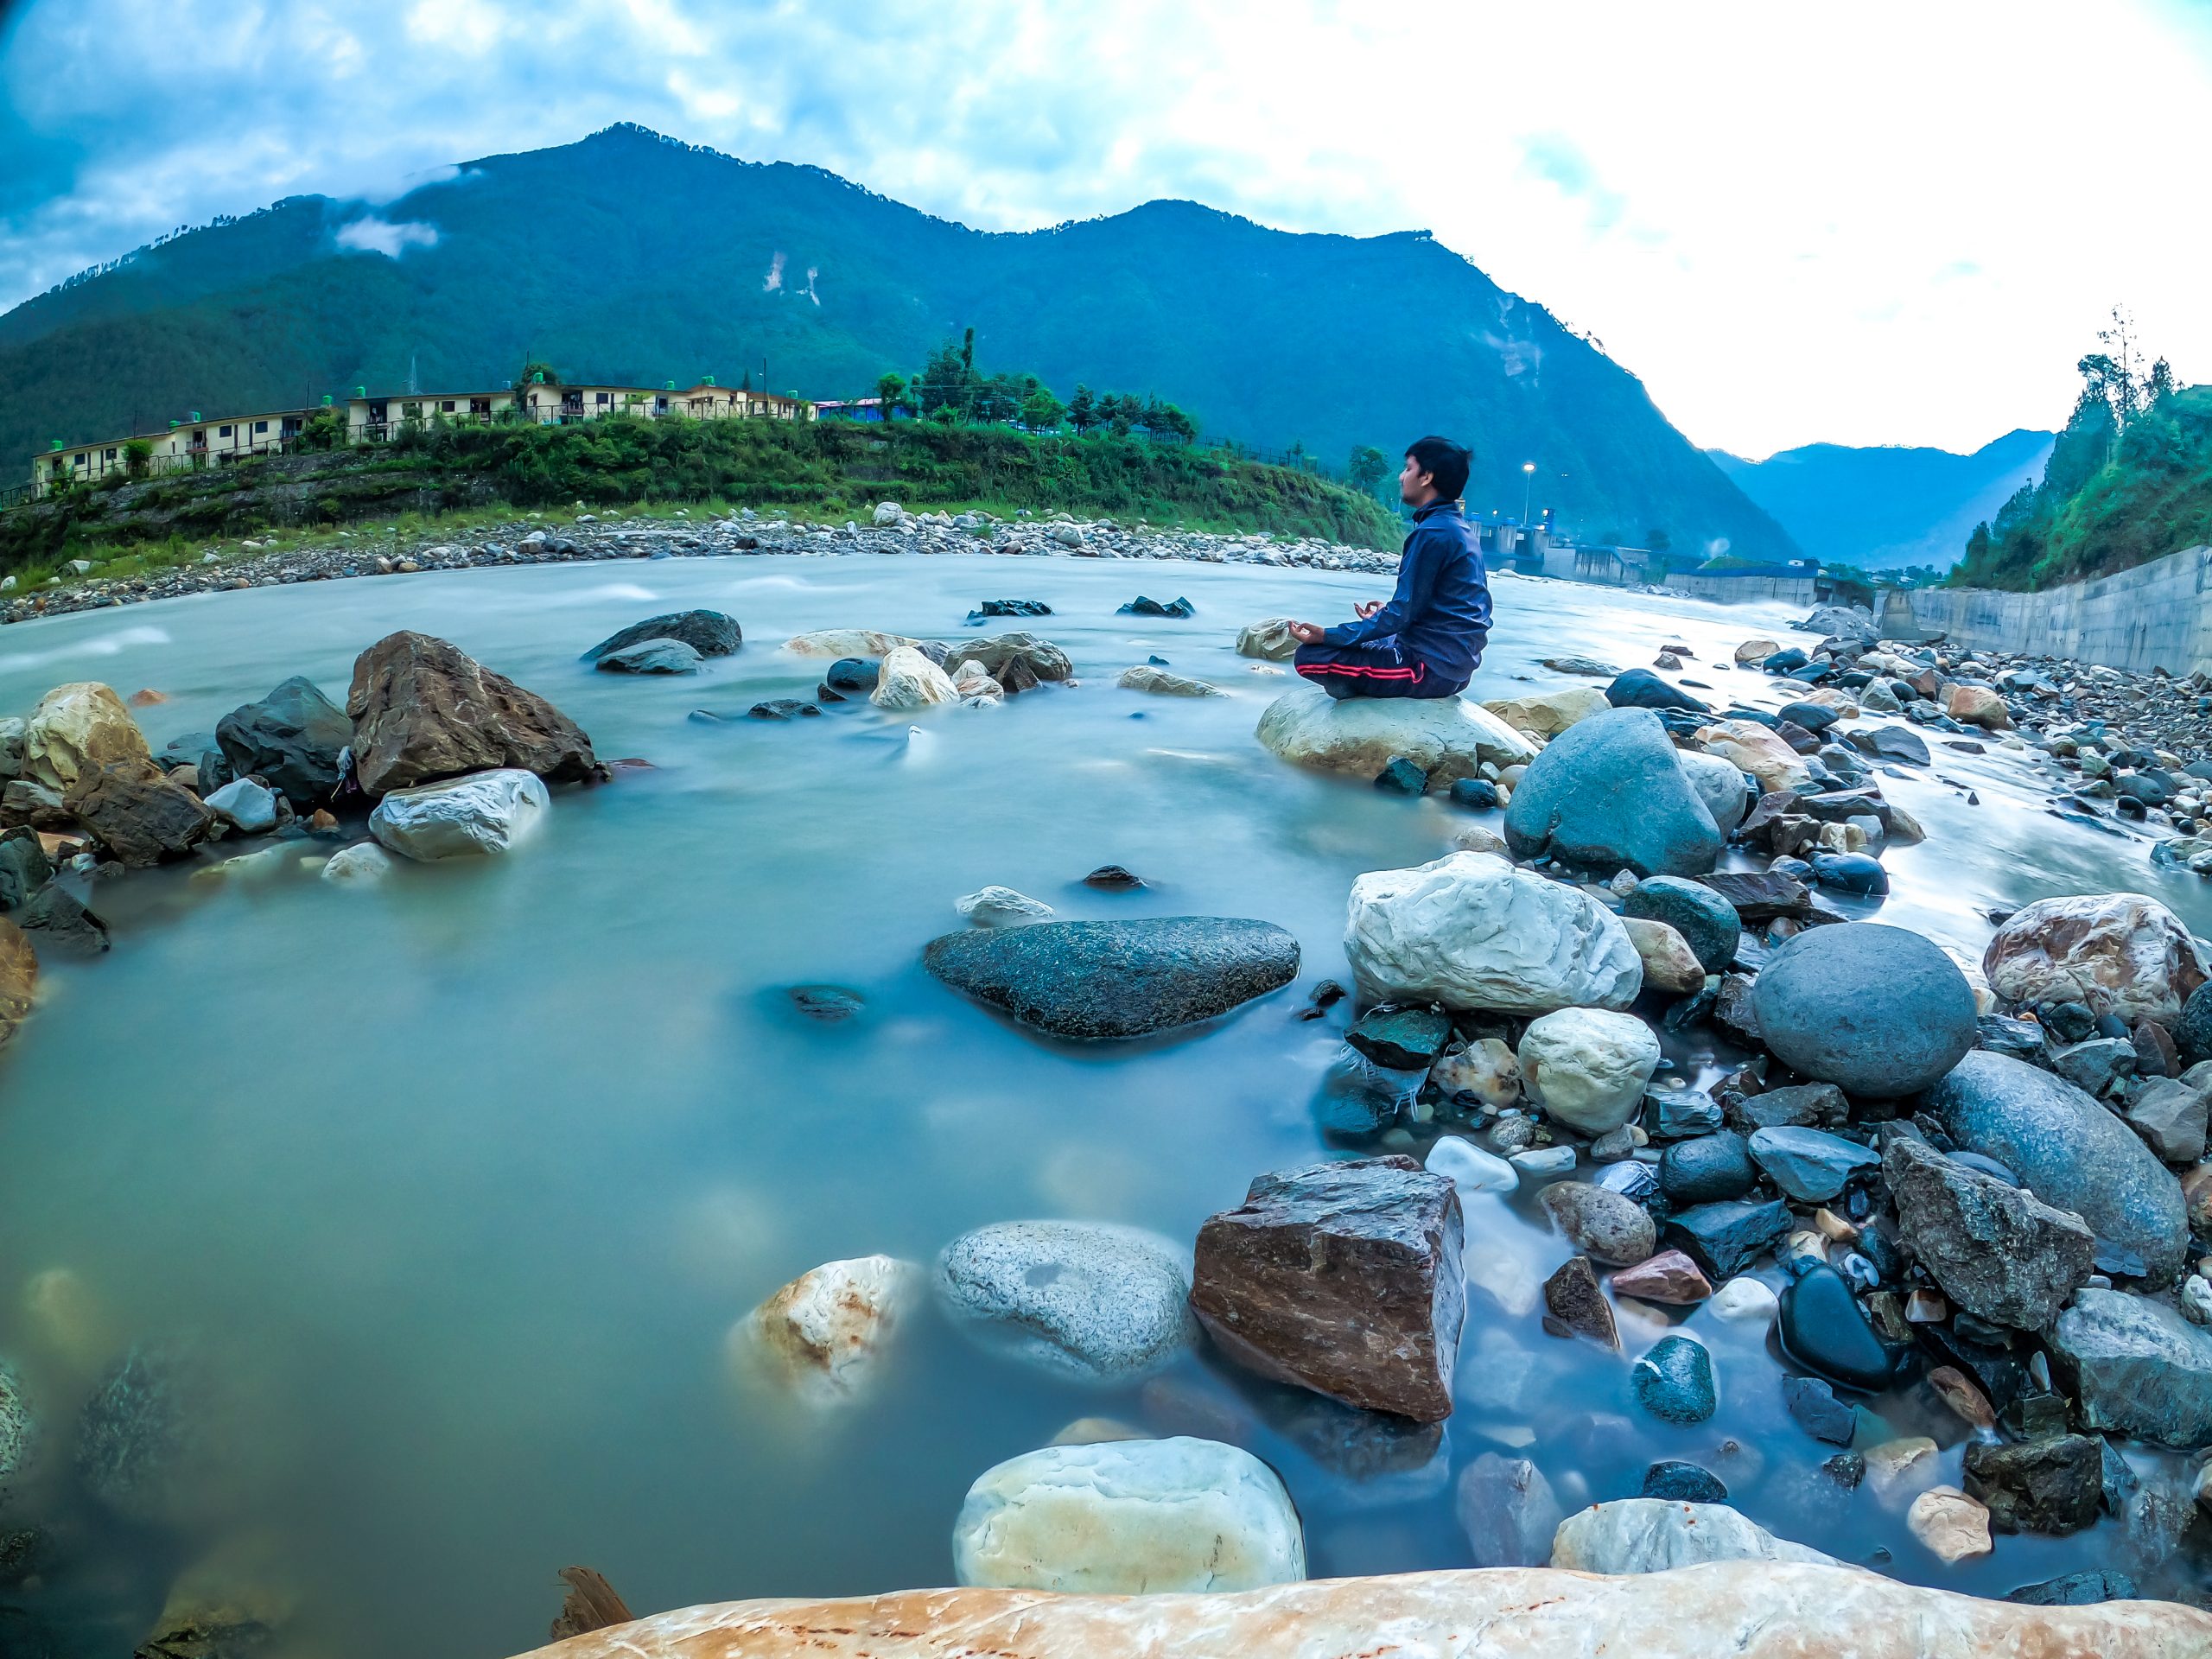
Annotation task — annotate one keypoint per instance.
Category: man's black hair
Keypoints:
(1446, 463)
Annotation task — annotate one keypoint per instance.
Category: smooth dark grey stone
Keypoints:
(1875, 1010)
(708, 632)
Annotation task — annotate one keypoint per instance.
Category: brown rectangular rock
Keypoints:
(1343, 1278)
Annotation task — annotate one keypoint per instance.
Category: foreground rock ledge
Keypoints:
(1751, 1610)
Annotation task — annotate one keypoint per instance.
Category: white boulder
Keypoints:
(1652, 1534)
(1130, 1517)
(820, 1336)
(1587, 1067)
(909, 680)
(1750, 747)
(364, 864)
(244, 805)
(482, 812)
(1449, 738)
(1470, 1168)
(1269, 639)
(996, 906)
(887, 514)
(1470, 931)
(848, 642)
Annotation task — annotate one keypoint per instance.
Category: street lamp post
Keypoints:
(1528, 484)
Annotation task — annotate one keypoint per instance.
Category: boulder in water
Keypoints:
(2001, 1254)
(1853, 622)
(424, 710)
(1608, 794)
(1639, 688)
(710, 633)
(1750, 747)
(1706, 922)
(1470, 931)
(2070, 1152)
(79, 727)
(138, 813)
(1088, 980)
(909, 680)
(1877, 1011)
(1589, 1067)
(848, 642)
(1087, 1299)
(1130, 1517)
(1145, 678)
(2120, 953)
(1269, 639)
(293, 738)
(2138, 1368)
(484, 812)
(1545, 714)
(822, 1336)
(244, 805)
(1720, 784)
(1652, 1534)
(1508, 1511)
(1449, 738)
(1343, 1278)
(652, 657)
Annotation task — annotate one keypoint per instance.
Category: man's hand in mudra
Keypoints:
(1309, 633)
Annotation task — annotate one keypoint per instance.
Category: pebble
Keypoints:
(1950, 1524)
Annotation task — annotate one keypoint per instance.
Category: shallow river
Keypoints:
(462, 1181)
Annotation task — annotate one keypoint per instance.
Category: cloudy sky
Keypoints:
(1880, 223)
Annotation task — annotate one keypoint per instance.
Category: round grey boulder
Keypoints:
(2071, 1152)
(1088, 1300)
(1608, 793)
(1875, 1010)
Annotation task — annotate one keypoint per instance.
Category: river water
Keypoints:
(458, 1183)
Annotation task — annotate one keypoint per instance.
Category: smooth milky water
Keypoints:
(458, 1183)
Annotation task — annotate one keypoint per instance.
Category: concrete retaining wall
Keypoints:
(1735, 590)
(2157, 615)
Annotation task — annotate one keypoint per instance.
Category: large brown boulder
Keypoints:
(1343, 1278)
(132, 808)
(1752, 1609)
(2121, 953)
(424, 710)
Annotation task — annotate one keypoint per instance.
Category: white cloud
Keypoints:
(374, 235)
(1892, 222)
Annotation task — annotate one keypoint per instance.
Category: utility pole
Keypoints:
(1528, 486)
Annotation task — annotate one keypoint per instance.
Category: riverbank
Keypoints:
(539, 538)
(2154, 618)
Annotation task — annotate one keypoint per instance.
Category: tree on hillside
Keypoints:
(1657, 540)
(890, 392)
(1082, 410)
(1165, 420)
(1367, 469)
(536, 373)
(1041, 411)
(968, 351)
(943, 383)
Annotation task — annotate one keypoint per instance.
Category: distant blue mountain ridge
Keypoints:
(1883, 508)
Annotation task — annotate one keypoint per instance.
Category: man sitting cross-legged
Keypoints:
(1428, 639)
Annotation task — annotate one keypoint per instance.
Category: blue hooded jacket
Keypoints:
(1440, 613)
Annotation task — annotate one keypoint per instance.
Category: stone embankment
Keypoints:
(591, 536)
(2157, 616)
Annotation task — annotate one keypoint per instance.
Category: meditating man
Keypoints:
(1426, 642)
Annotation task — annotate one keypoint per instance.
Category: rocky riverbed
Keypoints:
(1596, 1121)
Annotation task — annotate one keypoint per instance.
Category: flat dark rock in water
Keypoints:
(853, 674)
(783, 709)
(708, 632)
(1114, 879)
(1823, 1416)
(1401, 1038)
(2075, 1590)
(1726, 1237)
(652, 657)
(1585, 665)
(991, 608)
(1684, 1483)
(1092, 980)
(1821, 1328)
(825, 1002)
(1143, 606)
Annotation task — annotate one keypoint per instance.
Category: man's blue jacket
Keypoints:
(1440, 613)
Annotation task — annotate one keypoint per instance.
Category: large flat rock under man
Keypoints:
(1088, 980)
(1749, 1609)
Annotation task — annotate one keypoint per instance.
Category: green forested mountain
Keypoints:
(2129, 480)
(1883, 508)
(630, 258)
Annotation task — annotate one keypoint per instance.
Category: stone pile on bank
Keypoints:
(590, 537)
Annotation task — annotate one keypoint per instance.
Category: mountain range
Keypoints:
(1883, 508)
(632, 258)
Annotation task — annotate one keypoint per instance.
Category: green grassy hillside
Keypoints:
(2111, 498)
(831, 470)
(632, 258)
